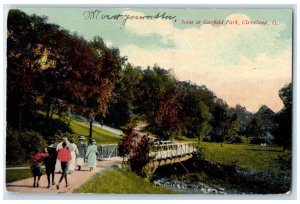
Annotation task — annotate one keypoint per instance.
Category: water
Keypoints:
(192, 187)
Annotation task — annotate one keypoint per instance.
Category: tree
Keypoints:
(124, 105)
(24, 52)
(283, 119)
(243, 116)
(108, 76)
(255, 129)
(57, 70)
(285, 95)
(159, 100)
(195, 114)
(233, 129)
(265, 117)
(219, 121)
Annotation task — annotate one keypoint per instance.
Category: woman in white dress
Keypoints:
(74, 152)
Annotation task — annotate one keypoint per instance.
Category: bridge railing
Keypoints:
(107, 151)
(162, 151)
(166, 151)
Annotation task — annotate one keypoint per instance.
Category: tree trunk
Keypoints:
(91, 128)
(48, 110)
(20, 120)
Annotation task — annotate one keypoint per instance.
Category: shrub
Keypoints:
(137, 149)
(32, 141)
(257, 140)
(15, 154)
(233, 140)
(50, 128)
(199, 154)
(20, 145)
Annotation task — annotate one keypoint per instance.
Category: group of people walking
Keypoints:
(63, 158)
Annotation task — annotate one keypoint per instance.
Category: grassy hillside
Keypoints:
(83, 128)
(117, 181)
(100, 135)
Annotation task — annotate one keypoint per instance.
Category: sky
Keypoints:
(243, 55)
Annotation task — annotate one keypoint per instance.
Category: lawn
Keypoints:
(100, 135)
(180, 139)
(117, 181)
(269, 159)
(18, 174)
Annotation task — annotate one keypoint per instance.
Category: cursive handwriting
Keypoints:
(99, 15)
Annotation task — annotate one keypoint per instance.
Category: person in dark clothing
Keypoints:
(36, 169)
(50, 163)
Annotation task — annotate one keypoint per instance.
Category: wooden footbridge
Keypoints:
(161, 154)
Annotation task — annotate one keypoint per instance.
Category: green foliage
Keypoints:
(20, 145)
(51, 128)
(199, 154)
(285, 161)
(285, 95)
(121, 182)
(255, 128)
(243, 116)
(283, 119)
(32, 141)
(257, 140)
(15, 154)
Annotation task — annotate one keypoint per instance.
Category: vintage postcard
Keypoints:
(149, 101)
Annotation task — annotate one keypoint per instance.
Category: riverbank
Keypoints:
(206, 177)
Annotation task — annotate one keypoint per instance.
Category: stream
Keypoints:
(206, 177)
(192, 187)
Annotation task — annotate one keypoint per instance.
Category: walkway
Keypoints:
(109, 129)
(76, 179)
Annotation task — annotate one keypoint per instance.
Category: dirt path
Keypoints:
(75, 180)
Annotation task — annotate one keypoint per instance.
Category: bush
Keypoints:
(32, 141)
(20, 145)
(257, 140)
(137, 148)
(199, 154)
(234, 140)
(15, 153)
(50, 127)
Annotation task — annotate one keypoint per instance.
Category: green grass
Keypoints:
(83, 128)
(180, 138)
(100, 135)
(18, 174)
(118, 181)
(252, 157)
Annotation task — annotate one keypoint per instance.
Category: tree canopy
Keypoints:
(54, 70)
